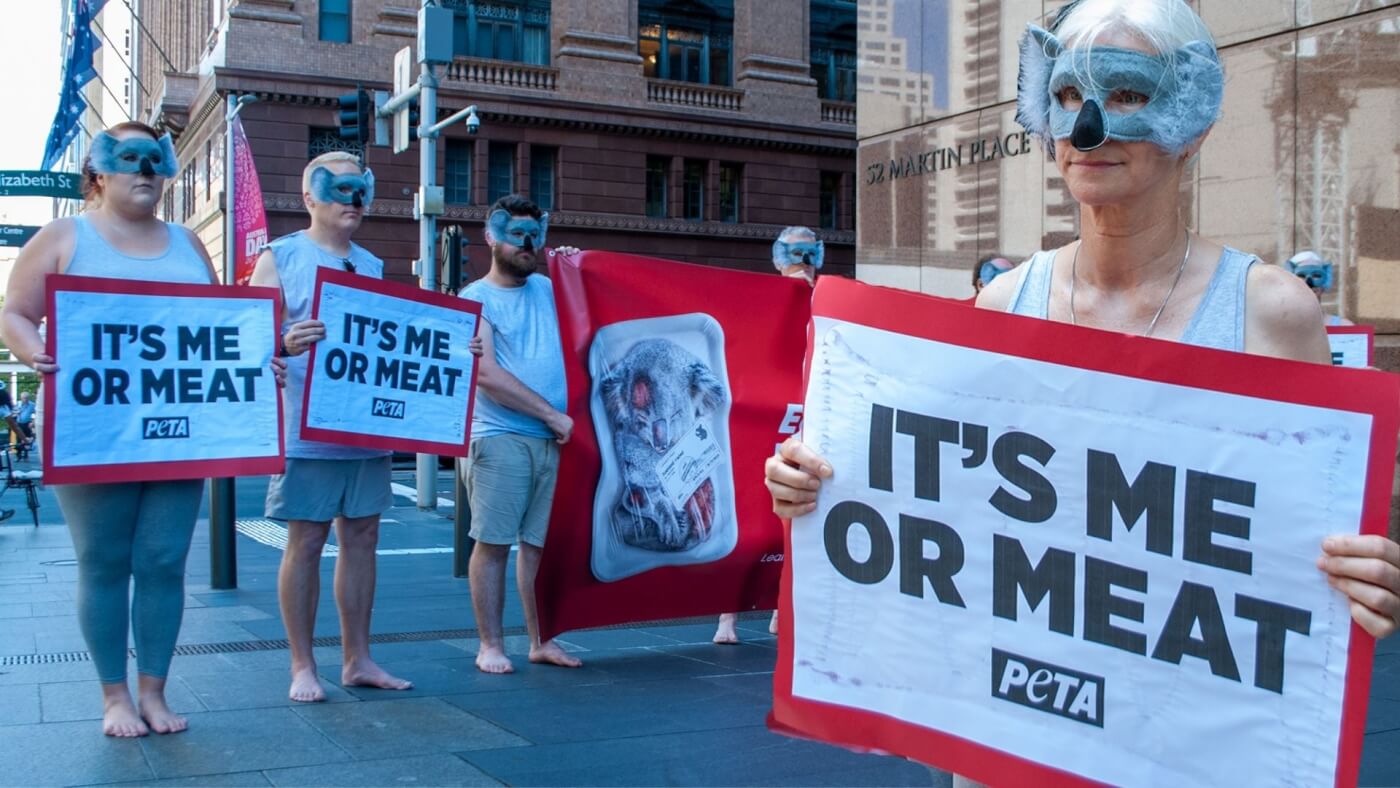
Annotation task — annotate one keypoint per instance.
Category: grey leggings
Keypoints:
(121, 531)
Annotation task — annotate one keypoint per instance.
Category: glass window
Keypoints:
(694, 203)
(335, 21)
(500, 180)
(542, 159)
(687, 42)
(657, 182)
(458, 174)
(833, 48)
(830, 191)
(325, 140)
(730, 176)
(517, 30)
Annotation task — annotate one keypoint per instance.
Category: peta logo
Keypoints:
(387, 408)
(1050, 688)
(157, 428)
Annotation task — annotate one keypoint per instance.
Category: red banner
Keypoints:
(249, 218)
(682, 379)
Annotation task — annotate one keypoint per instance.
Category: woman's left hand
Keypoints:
(279, 371)
(1366, 569)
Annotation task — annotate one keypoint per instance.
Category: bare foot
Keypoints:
(493, 659)
(549, 653)
(364, 673)
(306, 686)
(726, 635)
(159, 716)
(773, 624)
(119, 715)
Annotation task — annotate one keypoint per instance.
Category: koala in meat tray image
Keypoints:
(660, 406)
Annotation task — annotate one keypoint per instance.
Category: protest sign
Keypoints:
(160, 381)
(1053, 554)
(1352, 346)
(677, 400)
(394, 371)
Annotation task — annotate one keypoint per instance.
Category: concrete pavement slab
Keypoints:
(82, 700)
(415, 770)
(235, 780)
(255, 689)
(411, 726)
(1380, 760)
(222, 742)
(19, 704)
(68, 753)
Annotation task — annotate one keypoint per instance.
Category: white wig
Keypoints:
(1164, 25)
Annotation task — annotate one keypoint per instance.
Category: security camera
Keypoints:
(473, 123)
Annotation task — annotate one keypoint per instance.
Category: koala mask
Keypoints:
(1177, 95)
(991, 269)
(133, 156)
(1318, 276)
(521, 231)
(786, 253)
(356, 190)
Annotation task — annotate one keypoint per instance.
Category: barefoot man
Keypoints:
(325, 483)
(518, 425)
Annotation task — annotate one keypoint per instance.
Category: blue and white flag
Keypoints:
(78, 70)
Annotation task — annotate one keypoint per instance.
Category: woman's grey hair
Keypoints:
(1164, 25)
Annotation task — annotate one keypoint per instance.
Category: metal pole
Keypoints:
(223, 542)
(427, 229)
(462, 543)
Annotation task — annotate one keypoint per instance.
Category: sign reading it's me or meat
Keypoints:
(1050, 553)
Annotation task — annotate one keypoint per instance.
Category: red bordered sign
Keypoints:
(394, 371)
(892, 644)
(160, 381)
(1352, 346)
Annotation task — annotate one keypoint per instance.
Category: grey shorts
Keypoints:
(321, 490)
(510, 484)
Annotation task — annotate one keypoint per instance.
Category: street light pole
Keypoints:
(223, 543)
(427, 232)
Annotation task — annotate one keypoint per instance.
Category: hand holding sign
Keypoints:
(300, 336)
(1367, 570)
(794, 477)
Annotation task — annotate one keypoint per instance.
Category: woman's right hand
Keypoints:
(299, 337)
(793, 477)
(43, 363)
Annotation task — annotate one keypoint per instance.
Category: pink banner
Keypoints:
(249, 218)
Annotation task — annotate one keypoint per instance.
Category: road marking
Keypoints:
(412, 495)
(274, 535)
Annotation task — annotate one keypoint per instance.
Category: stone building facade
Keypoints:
(691, 129)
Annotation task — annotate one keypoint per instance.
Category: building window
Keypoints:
(833, 46)
(686, 41)
(500, 176)
(730, 176)
(209, 170)
(830, 198)
(542, 160)
(335, 21)
(658, 182)
(515, 30)
(458, 175)
(693, 204)
(325, 140)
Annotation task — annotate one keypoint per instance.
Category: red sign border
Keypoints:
(1356, 390)
(408, 293)
(1369, 331)
(151, 471)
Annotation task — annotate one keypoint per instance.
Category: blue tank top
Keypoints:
(297, 258)
(180, 263)
(525, 330)
(1218, 321)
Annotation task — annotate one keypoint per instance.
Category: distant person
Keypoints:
(1319, 275)
(24, 417)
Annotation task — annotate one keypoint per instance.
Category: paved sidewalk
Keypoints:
(654, 705)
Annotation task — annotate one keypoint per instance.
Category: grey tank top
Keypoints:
(297, 258)
(1218, 321)
(180, 263)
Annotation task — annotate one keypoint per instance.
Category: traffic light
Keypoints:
(413, 119)
(454, 258)
(356, 116)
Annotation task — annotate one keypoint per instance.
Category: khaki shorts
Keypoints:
(321, 490)
(510, 484)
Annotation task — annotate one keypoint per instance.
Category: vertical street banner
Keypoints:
(1054, 555)
(160, 381)
(249, 217)
(395, 370)
(1352, 346)
(682, 380)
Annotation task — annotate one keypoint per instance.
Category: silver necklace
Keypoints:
(1074, 275)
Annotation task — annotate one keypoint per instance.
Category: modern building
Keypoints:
(692, 129)
(1304, 156)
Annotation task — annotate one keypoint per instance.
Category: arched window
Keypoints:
(834, 49)
(687, 40)
(515, 30)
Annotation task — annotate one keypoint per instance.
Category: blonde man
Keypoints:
(323, 483)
